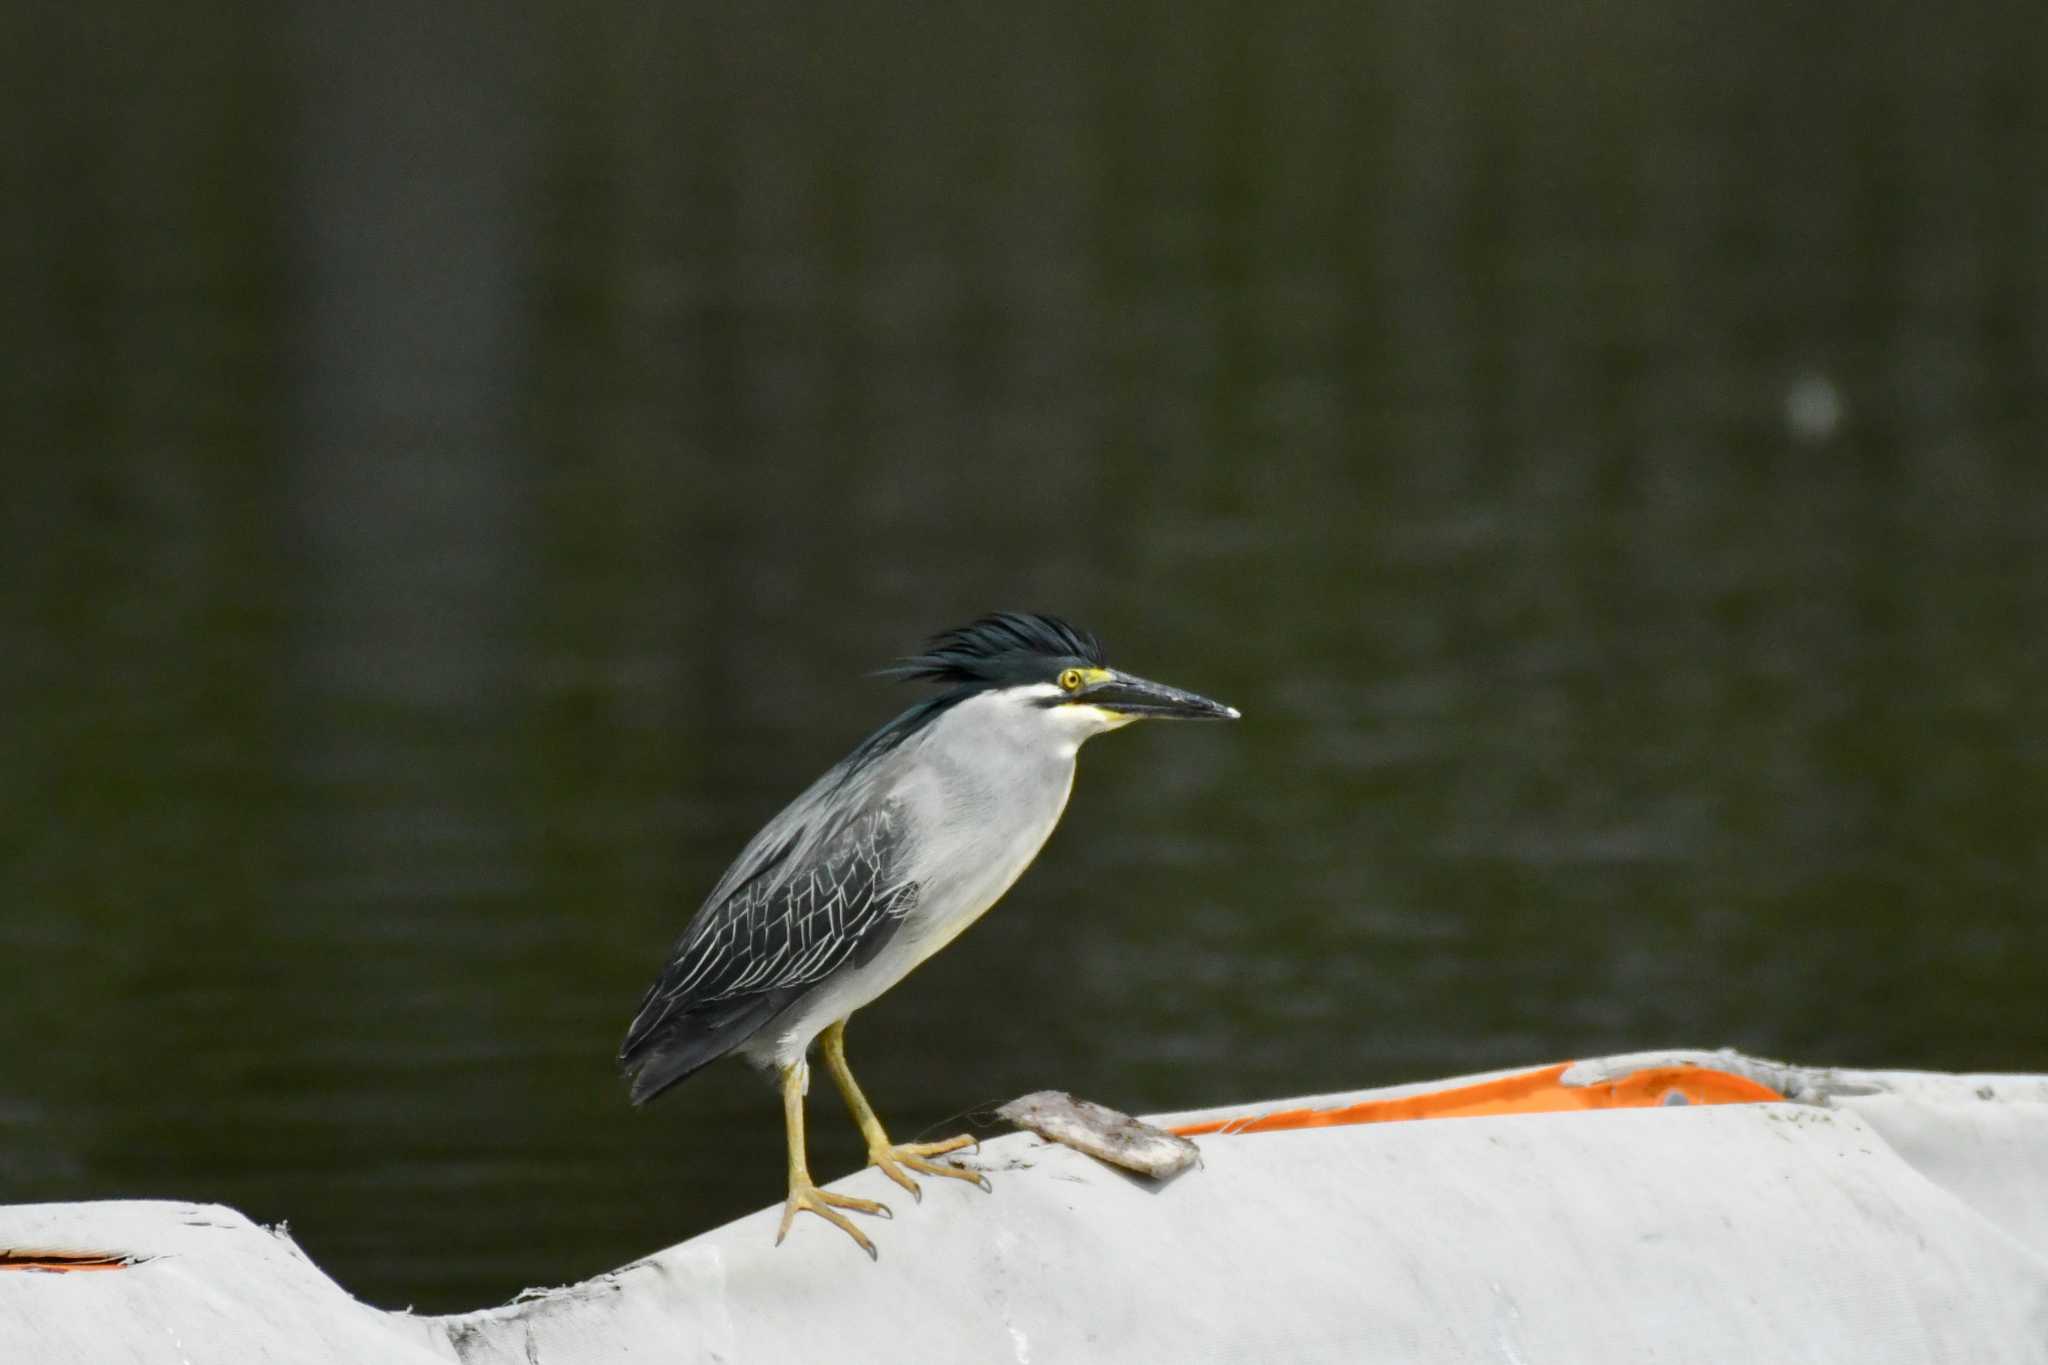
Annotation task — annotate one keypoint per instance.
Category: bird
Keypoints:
(879, 864)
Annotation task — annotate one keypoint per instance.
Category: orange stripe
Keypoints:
(1526, 1092)
(61, 1262)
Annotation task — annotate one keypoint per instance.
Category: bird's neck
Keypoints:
(997, 749)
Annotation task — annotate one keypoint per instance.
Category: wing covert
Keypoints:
(806, 909)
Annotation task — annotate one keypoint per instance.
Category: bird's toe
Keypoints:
(826, 1204)
(892, 1160)
(885, 1161)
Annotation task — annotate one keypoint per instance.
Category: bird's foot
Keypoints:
(826, 1205)
(891, 1157)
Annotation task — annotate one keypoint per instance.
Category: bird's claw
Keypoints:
(826, 1205)
(890, 1159)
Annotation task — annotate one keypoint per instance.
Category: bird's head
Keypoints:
(1042, 663)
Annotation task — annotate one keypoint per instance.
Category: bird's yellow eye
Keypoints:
(1071, 680)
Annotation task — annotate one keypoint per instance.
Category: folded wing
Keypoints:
(805, 900)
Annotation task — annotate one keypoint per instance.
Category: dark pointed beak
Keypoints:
(1131, 696)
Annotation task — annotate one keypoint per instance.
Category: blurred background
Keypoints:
(461, 464)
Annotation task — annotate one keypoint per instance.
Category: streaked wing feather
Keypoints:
(788, 917)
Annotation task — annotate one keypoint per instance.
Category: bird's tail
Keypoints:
(669, 1050)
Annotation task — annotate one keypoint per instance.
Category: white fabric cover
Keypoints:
(1895, 1217)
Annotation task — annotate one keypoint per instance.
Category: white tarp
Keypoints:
(1889, 1218)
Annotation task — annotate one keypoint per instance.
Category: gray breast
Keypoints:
(981, 794)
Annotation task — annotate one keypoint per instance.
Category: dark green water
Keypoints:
(458, 473)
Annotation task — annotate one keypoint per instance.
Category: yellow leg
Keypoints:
(802, 1193)
(889, 1156)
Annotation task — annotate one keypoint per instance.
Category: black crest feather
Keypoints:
(1002, 647)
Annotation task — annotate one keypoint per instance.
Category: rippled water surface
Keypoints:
(459, 476)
